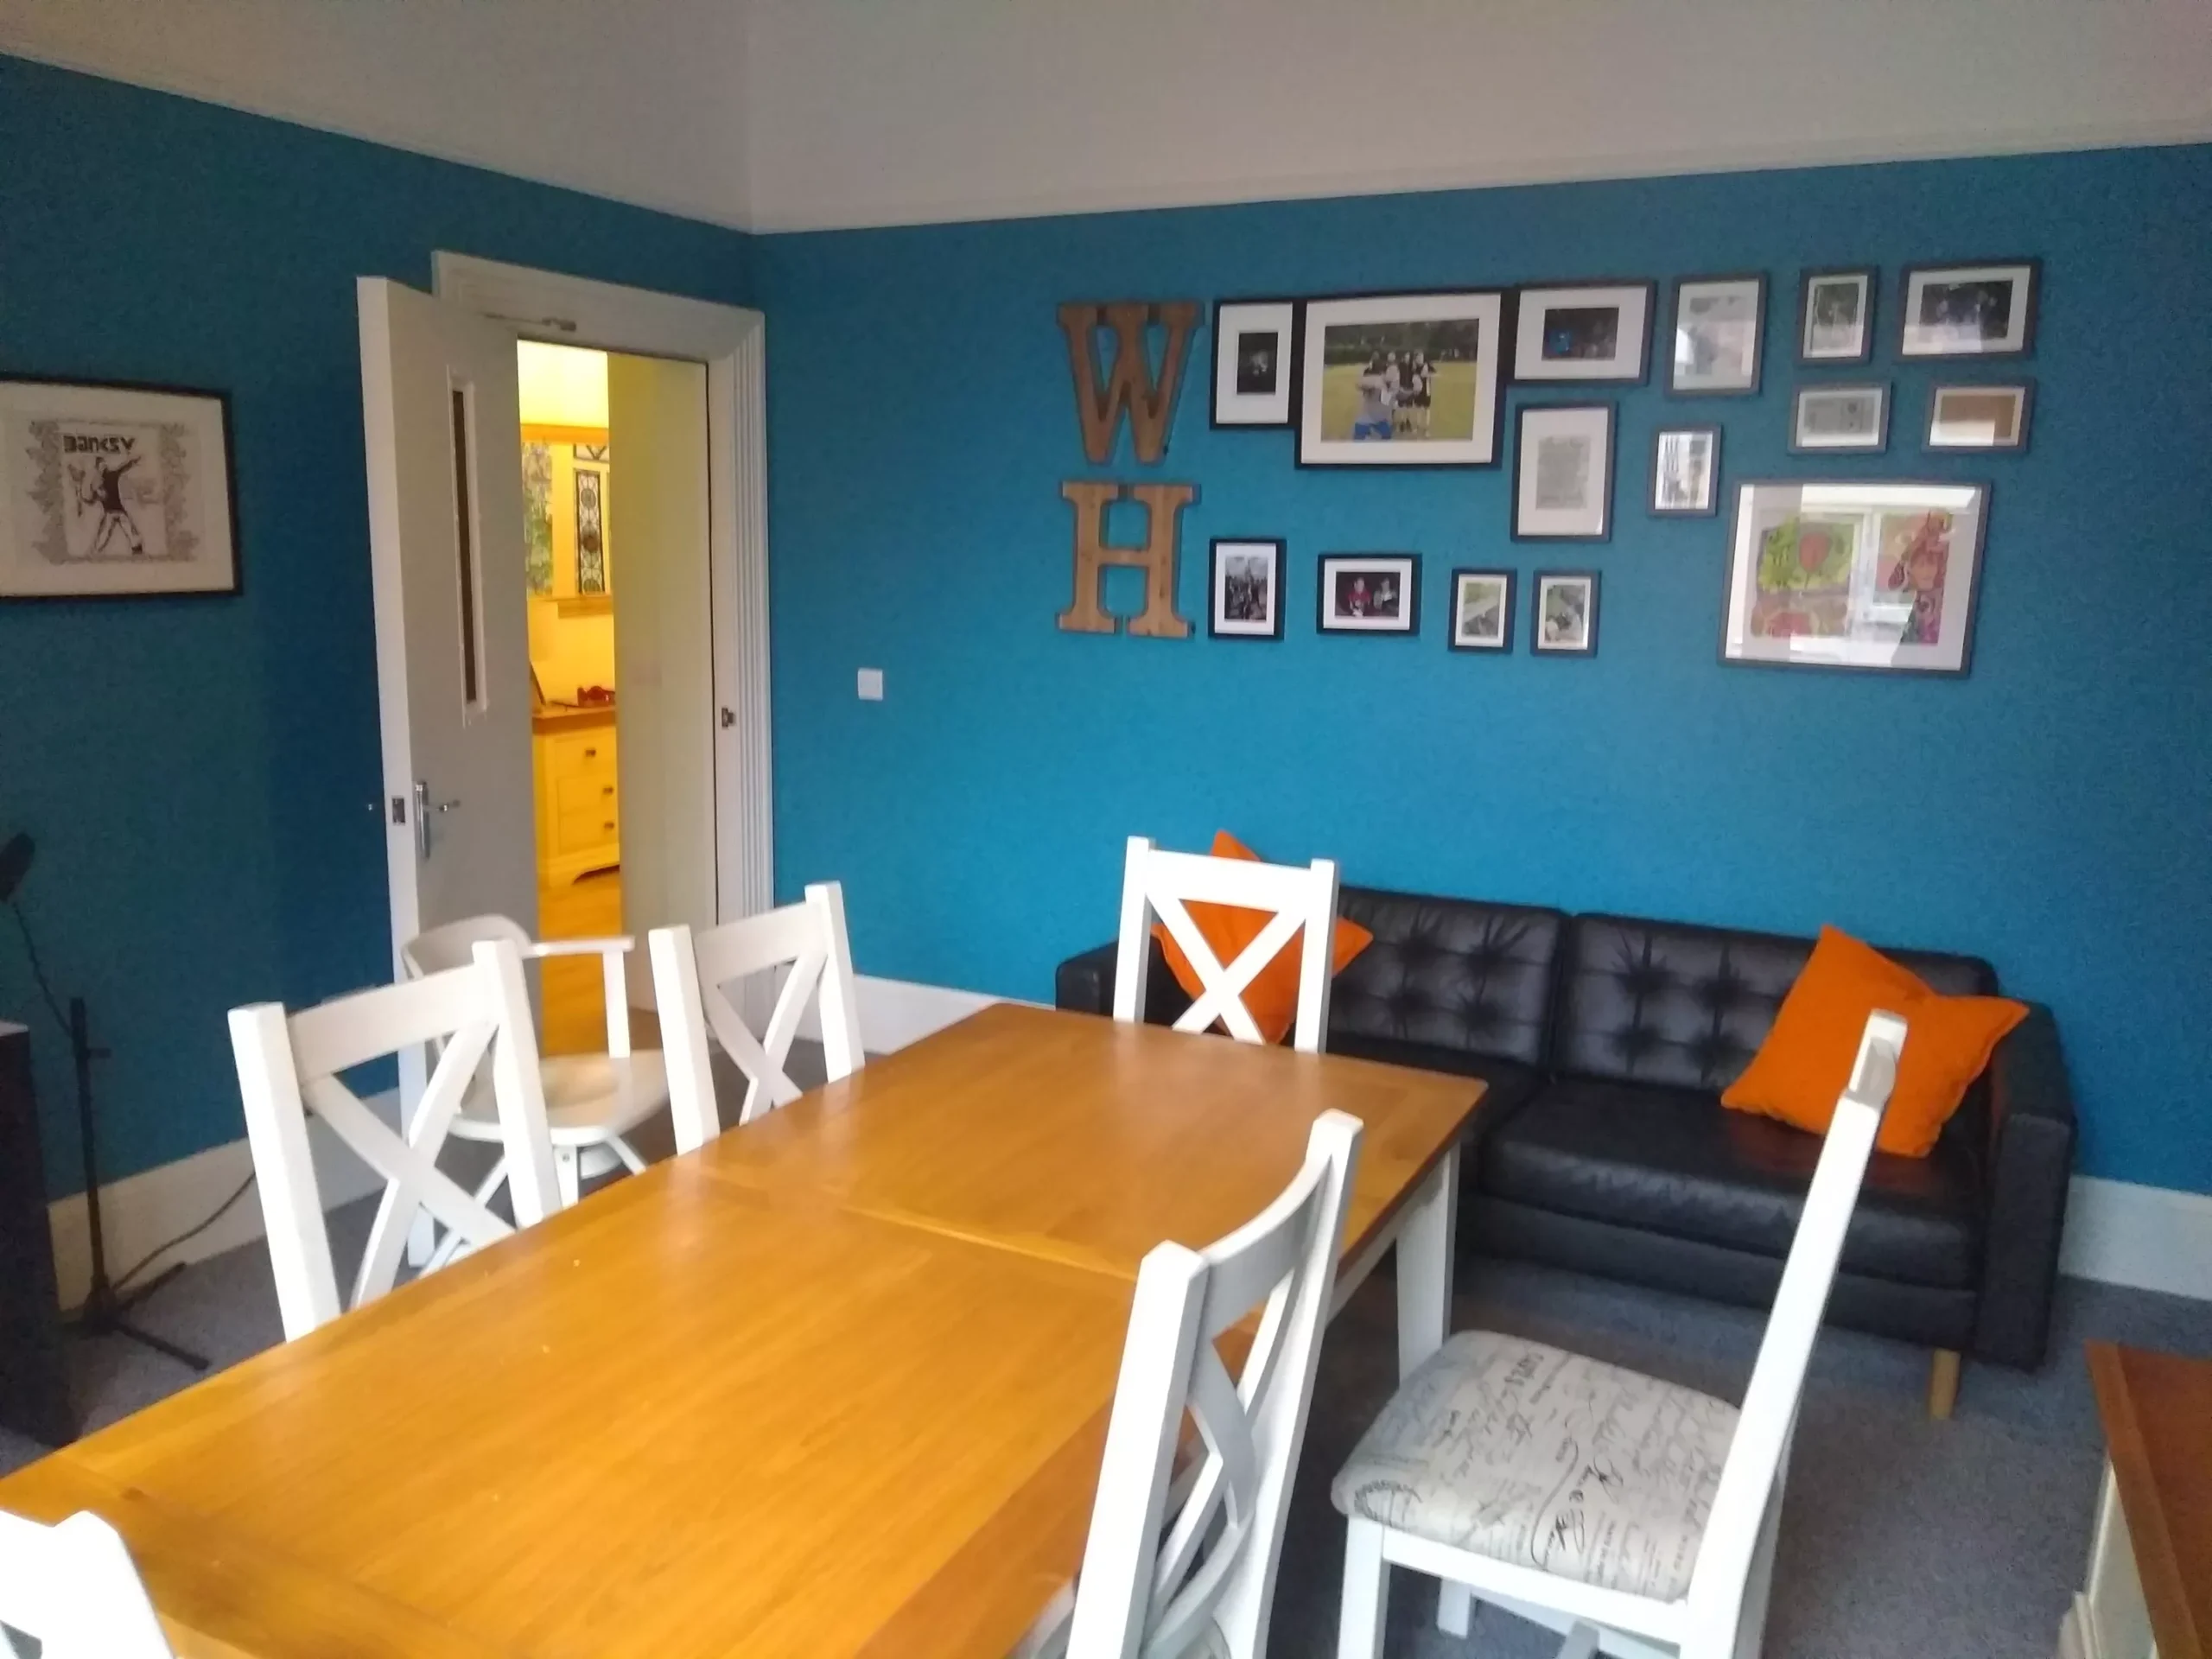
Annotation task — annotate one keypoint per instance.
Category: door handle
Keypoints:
(425, 806)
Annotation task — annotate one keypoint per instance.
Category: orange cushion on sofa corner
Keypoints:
(1272, 997)
(1806, 1060)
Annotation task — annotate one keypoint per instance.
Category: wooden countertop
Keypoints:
(2156, 1410)
(571, 717)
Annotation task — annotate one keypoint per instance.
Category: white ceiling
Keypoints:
(789, 114)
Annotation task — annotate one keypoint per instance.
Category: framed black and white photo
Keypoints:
(1835, 316)
(1563, 613)
(1719, 323)
(1874, 574)
(1244, 583)
(1686, 471)
(1255, 361)
(1588, 331)
(1482, 610)
(1563, 472)
(1984, 310)
(111, 491)
(1371, 592)
(1980, 418)
(1846, 420)
(1400, 379)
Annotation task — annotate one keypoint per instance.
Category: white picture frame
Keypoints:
(1255, 362)
(1343, 422)
(1563, 472)
(1583, 331)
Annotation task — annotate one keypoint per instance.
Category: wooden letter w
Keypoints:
(1130, 386)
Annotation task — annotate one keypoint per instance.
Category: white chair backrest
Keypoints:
(1302, 902)
(453, 944)
(72, 1588)
(1740, 1523)
(1200, 1580)
(291, 1063)
(692, 972)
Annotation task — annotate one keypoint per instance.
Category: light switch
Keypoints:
(871, 685)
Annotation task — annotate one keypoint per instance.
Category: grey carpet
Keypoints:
(1900, 1538)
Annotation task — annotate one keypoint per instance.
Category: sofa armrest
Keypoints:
(1084, 984)
(2031, 1165)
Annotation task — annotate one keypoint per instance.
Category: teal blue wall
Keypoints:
(198, 773)
(2050, 811)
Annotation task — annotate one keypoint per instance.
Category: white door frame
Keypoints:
(577, 311)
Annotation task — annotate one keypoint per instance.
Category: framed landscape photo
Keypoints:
(1588, 331)
(1835, 316)
(1984, 310)
(1371, 592)
(1255, 361)
(1980, 418)
(1719, 323)
(1244, 585)
(1876, 574)
(1840, 420)
(1563, 472)
(1686, 472)
(1400, 379)
(1482, 610)
(1563, 615)
(111, 491)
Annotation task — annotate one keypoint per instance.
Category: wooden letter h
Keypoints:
(1163, 505)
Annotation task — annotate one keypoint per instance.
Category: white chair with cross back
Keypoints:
(291, 1065)
(692, 974)
(1636, 1516)
(1300, 902)
(72, 1589)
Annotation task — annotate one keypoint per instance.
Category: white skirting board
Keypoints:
(2152, 1237)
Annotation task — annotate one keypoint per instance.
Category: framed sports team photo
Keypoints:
(1563, 472)
(1835, 316)
(1400, 380)
(1591, 331)
(1986, 310)
(1564, 613)
(110, 491)
(1840, 420)
(1719, 325)
(1245, 582)
(1255, 349)
(1482, 610)
(1371, 592)
(1686, 472)
(1980, 418)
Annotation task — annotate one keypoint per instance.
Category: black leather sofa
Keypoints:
(1605, 1041)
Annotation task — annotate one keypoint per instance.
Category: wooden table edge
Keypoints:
(2157, 1563)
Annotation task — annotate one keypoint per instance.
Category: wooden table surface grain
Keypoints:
(2157, 1412)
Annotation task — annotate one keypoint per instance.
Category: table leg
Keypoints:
(1426, 1242)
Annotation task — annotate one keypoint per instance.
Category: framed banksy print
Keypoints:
(113, 491)
(1986, 310)
(1255, 348)
(1400, 380)
(1592, 331)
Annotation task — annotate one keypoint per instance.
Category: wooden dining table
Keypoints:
(836, 1384)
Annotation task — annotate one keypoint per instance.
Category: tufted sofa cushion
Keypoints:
(1452, 974)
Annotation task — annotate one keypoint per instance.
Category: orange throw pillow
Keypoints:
(1272, 997)
(1806, 1060)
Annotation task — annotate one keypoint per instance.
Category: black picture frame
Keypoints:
(1878, 445)
(1287, 364)
(1278, 568)
(1410, 625)
(1504, 643)
(1758, 335)
(1871, 276)
(1537, 579)
(1308, 442)
(1712, 509)
(1529, 295)
(1519, 450)
(2031, 270)
(2021, 385)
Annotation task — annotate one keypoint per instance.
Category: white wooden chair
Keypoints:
(1187, 1566)
(692, 973)
(1158, 884)
(289, 1063)
(592, 1101)
(1636, 1516)
(72, 1588)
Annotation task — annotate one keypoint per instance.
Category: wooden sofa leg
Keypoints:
(1943, 1383)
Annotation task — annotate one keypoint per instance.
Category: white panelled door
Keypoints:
(439, 406)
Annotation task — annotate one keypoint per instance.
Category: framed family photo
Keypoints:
(1686, 472)
(1482, 610)
(1835, 316)
(1563, 472)
(1839, 420)
(111, 491)
(1371, 592)
(1980, 418)
(1590, 331)
(1255, 361)
(1985, 310)
(1720, 322)
(1244, 582)
(1564, 613)
(1400, 380)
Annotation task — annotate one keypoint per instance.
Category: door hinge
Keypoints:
(399, 809)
